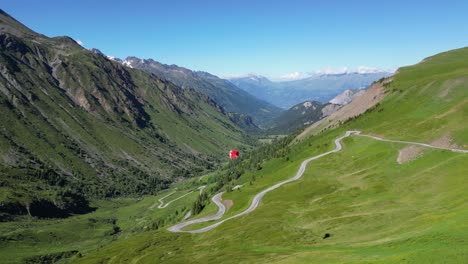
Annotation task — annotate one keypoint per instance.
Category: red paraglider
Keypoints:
(233, 154)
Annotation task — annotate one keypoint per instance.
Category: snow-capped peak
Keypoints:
(127, 63)
(254, 77)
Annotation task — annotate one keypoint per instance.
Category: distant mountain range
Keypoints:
(320, 87)
(309, 112)
(234, 100)
(297, 117)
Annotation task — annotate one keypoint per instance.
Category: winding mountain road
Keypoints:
(256, 200)
(221, 210)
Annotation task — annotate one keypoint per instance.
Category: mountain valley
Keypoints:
(319, 87)
(108, 160)
(76, 125)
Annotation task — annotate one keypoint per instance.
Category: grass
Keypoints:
(375, 210)
(89, 232)
(361, 204)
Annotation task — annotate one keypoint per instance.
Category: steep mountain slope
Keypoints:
(370, 98)
(76, 125)
(258, 86)
(320, 88)
(312, 112)
(346, 97)
(297, 117)
(362, 204)
(221, 91)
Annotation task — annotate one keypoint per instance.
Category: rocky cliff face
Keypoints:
(346, 97)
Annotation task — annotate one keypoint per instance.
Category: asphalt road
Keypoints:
(256, 200)
(221, 210)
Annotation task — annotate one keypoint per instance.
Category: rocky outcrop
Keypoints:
(359, 105)
(346, 97)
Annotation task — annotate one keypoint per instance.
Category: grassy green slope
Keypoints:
(375, 209)
(88, 232)
(425, 101)
(115, 219)
(365, 209)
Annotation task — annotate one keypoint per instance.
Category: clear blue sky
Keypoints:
(271, 38)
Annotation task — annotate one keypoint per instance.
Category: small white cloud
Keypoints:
(293, 76)
(329, 70)
(79, 42)
(361, 70)
(367, 69)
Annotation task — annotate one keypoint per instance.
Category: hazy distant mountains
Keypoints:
(308, 112)
(320, 88)
(223, 92)
(297, 117)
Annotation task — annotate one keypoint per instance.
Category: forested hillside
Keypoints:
(76, 125)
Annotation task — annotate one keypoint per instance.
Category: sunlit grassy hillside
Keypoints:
(374, 208)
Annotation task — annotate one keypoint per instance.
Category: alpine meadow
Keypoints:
(136, 160)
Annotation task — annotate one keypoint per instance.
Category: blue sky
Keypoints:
(272, 38)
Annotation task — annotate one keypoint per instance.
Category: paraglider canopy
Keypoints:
(234, 153)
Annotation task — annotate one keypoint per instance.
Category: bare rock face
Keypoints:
(330, 109)
(346, 97)
(359, 105)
